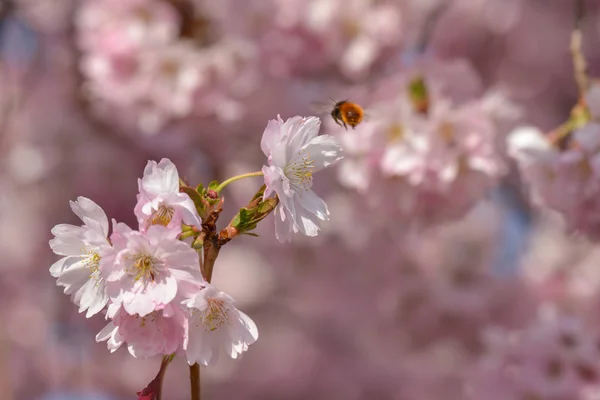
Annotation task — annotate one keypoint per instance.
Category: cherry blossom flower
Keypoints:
(566, 181)
(157, 333)
(159, 199)
(216, 326)
(295, 153)
(352, 37)
(430, 133)
(151, 270)
(83, 247)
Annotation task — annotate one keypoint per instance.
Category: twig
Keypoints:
(579, 64)
(429, 26)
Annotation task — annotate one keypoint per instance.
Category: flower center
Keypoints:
(395, 132)
(299, 171)
(92, 261)
(162, 216)
(448, 133)
(215, 315)
(143, 268)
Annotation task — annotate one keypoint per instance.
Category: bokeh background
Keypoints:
(382, 304)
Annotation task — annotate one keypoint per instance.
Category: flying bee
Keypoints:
(344, 112)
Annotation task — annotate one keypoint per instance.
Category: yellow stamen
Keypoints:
(395, 132)
(144, 268)
(92, 261)
(448, 133)
(300, 172)
(214, 316)
(162, 216)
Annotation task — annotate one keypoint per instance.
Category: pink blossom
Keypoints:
(157, 333)
(295, 153)
(350, 37)
(149, 57)
(566, 181)
(151, 270)
(159, 199)
(216, 326)
(83, 247)
(420, 153)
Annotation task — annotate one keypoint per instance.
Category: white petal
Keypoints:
(283, 224)
(307, 225)
(65, 262)
(524, 142)
(189, 213)
(68, 230)
(91, 214)
(94, 298)
(251, 328)
(324, 150)
(74, 277)
(272, 176)
(115, 341)
(161, 178)
(106, 332)
(303, 135)
(313, 203)
(270, 137)
(67, 246)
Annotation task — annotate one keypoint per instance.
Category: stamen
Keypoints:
(143, 267)
(92, 261)
(152, 317)
(214, 316)
(300, 171)
(448, 133)
(395, 132)
(162, 216)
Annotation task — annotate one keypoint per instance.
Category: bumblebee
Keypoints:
(346, 113)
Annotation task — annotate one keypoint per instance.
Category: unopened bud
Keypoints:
(212, 194)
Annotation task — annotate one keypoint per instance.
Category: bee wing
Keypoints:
(321, 107)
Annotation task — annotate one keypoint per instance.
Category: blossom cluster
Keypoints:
(562, 169)
(158, 61)
(148, 281)
(349, 37)
(429, 134)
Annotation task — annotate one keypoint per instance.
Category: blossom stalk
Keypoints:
(236, 178)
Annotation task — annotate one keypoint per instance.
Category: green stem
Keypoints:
(185, 235)
(579, 63)
(237, 177)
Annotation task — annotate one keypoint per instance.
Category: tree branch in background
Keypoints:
(579, 64)
(429, 24)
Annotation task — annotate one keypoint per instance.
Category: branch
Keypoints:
(579, 64)
(429, 26)
(195, 381)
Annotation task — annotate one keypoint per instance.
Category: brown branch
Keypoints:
(195, 381)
